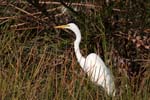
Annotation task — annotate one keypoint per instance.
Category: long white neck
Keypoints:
(79, 56)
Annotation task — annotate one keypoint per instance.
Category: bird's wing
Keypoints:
(95, 67)
(99, 73)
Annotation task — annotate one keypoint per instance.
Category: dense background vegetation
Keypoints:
(38, 62)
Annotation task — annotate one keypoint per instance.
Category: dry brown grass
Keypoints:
(38, 62)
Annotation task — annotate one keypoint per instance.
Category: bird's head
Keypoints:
(70, 26)
(73, 27)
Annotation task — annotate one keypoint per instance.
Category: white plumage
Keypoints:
(93, 65)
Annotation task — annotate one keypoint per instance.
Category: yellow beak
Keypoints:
(62, 26)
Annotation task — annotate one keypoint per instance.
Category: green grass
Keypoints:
(41, 64)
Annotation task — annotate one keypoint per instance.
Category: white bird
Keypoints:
(93, 65)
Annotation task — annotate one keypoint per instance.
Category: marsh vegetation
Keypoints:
(38, 62)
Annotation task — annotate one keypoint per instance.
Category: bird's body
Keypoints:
(93, 65)
(99, 73)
